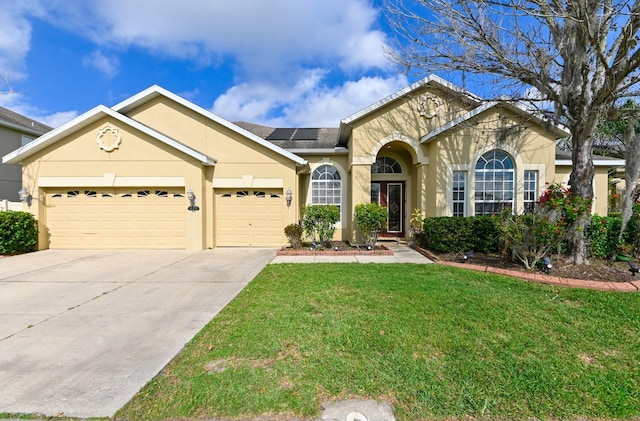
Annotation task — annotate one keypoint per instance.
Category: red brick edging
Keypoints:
(631, 286)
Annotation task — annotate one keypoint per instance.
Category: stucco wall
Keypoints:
(600, 186)
(240, 162)
(460, 150)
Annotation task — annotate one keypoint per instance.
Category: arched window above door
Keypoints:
(386, 165)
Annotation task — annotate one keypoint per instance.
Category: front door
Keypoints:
(390, 194)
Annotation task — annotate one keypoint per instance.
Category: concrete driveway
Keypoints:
(82, 331)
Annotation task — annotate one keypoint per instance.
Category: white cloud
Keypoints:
(309, 103)
(57, 119)
(18, 103)
(286, 54)
(15, 40)
(106, 65)
(266, 36)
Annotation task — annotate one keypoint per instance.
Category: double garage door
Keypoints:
(249, 217)
(144, 218)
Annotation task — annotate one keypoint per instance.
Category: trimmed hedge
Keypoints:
(482, 233)
(453, 234)
(18, 232)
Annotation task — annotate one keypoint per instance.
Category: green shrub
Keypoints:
(370, 219)
(602, 235)
(294, 234)
(486, 234)
(453, 234)
(319, 222)
(18, 232)
(529, 237)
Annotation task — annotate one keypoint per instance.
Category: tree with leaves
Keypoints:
(580, 56)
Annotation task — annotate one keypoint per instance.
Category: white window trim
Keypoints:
(343, 185)
(541, 169)
(449, 192)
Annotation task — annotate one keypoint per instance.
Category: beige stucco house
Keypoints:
(157, 171)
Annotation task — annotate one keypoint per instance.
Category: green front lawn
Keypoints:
(436, 342)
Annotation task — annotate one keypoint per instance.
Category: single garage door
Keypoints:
(249, 218)
(142, 218)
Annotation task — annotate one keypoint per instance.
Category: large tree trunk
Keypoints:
(581, 182)
(632, 172)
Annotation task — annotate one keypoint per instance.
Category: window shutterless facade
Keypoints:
(494, 174)
(326, 186)
(530, 190)
(459, 193)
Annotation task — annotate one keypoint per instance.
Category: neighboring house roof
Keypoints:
(431, 80)
(13, 120)
(559, 131)
(564, 158)
(155, 91)
(92, 116)
(308, 140)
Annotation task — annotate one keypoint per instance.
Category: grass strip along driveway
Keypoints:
(435, 342)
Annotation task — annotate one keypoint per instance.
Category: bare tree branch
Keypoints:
(8, 89)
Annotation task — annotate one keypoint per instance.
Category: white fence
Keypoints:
(5, 205)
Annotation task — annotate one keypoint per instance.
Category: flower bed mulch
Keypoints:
(597, 271)
(343, 249)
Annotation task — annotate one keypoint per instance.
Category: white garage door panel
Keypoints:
(249, 218)
(116, 218)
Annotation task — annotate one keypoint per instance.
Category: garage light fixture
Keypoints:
(289, 197)
(25, 196)
(192, 200)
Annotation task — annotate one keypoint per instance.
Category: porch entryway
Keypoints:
(391, 194)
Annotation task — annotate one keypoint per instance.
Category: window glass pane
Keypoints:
(494, 183)
(326, 186)
(375, 193)
(459, 186)
(530, 190)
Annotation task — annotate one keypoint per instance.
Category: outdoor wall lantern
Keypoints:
(289, 197)
(25, 196)
(192, 200)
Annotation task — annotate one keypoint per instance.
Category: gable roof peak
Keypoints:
(93, 115)
(431, 80)
(155, 91)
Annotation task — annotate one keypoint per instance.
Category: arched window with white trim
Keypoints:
(326, 186)
(386, 165)
(494, 183)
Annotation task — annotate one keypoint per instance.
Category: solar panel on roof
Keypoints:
(281, 134)
(306, 134)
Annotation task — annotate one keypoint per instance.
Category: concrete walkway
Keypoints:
(82, 331)
(401, 254)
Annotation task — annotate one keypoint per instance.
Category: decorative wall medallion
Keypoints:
(108, 138)
(428, 105)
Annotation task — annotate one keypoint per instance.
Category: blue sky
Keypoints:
(275, 62)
